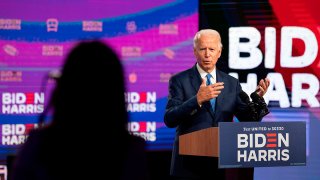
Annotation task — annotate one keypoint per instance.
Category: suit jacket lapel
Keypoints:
(220, 78)
(195, 78)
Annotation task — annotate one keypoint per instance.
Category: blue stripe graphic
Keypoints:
(112, 27)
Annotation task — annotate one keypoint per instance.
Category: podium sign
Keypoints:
(262, 144)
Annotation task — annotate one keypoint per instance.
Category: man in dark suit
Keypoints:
(199, 98)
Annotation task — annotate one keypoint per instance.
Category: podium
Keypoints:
(204, 142)
(249, 144)
(242, 146)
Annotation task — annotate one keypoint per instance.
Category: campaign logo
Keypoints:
(131, 27)
(304, 85)
(169, 53)
(52, 50)
(92, 26)
(262, 144)
(263, 147)
(22, 103)
(168, 29)
(10, 24)
(133, 77)
(52, 24)
(144, 129)
(15, 134)
(10, 50)
(141, 101)
(10, 76)
(131, 51)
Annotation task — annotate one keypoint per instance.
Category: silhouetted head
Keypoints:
(91, 88)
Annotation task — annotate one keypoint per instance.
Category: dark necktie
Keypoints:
(213, 100)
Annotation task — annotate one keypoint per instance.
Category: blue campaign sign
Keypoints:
(262, 144)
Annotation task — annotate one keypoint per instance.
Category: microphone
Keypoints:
(260, 104)
(251, 105)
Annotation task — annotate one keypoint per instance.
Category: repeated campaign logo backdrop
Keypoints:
(153, 39)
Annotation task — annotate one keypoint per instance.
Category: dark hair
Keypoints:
(91, 88)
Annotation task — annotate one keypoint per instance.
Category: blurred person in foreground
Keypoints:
(201, 97)
(87, 137)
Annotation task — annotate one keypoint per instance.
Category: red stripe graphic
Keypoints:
(271, 137)
(271, 145)
(143, 97)
(30, 98)
(271, 134)
(272, 140)
(143, 126)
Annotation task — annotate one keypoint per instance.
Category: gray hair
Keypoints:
(208, 32)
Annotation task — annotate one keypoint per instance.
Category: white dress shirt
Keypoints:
(203, 74)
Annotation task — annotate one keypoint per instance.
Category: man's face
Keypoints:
(207, 51)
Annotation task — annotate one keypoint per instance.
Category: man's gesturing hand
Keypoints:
(206, 93)
(263, 87)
